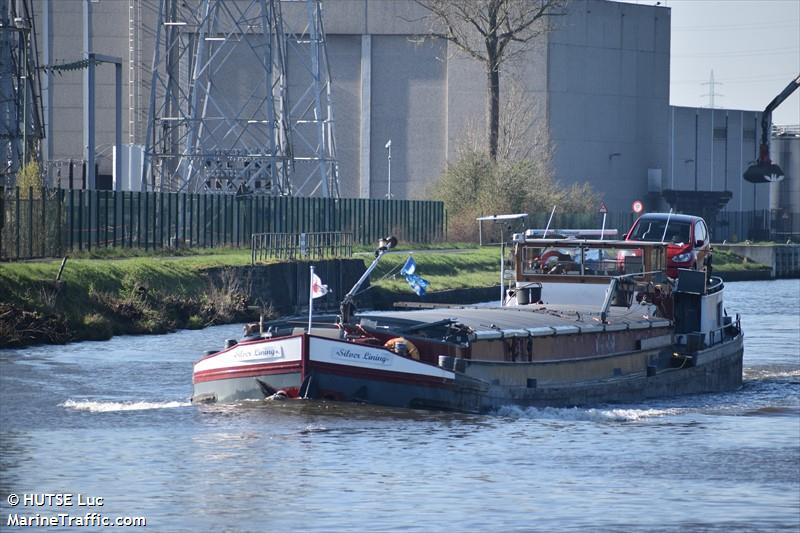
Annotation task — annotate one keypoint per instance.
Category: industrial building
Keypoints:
(597, 86)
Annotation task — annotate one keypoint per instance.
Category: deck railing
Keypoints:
(318, 245)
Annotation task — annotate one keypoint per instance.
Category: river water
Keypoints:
(111, 420)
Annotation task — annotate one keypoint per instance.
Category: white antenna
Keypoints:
(544, 236)
(664, 236)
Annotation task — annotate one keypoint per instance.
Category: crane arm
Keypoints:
(763, 170)
(766, 116)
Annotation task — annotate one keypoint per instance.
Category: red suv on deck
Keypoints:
(687, 238)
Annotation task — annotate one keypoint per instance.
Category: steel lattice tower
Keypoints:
(316, 170)
(216, 127)
(20, 113)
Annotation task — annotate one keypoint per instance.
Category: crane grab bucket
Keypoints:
(763, 172)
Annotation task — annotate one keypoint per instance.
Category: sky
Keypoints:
(753, 47)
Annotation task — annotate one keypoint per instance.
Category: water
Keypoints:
(111, 419)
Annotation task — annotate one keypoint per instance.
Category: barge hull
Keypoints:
(337, 385)
(258, 387)
(721, 372)
(715, 369)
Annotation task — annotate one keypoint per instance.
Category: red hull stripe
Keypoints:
(381, 375)
(246, 372)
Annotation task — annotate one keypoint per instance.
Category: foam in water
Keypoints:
(591, 415)
(764, 373)
(107, 407)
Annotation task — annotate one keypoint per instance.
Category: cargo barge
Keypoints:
(584, 322)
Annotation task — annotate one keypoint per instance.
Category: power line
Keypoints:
(741, 80)
(765, 26)
(743, 53)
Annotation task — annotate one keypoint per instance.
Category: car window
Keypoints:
(700, 233)
(653, 231)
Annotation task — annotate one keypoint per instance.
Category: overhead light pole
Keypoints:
(388, 147)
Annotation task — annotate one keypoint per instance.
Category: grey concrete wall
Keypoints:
(707, 158)
(608, 87)
(598, 86)
(408, 107)
(344, 55)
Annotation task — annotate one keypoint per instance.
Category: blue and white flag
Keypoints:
(417, 283)
(410, 267)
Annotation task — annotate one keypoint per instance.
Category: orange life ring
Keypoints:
(412, 350)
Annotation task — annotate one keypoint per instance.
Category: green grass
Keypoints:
(176, 274)
(99, 298)
(464, 268)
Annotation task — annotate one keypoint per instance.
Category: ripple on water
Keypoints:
(583, 414)
(110, 407)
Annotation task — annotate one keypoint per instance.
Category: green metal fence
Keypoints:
(57, 221)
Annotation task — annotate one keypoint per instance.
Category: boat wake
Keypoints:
(770, 372)
(109, 407)
(588, 415)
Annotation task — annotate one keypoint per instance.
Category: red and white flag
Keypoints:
(317, 288)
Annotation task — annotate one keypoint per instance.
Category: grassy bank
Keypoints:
(451, 269)
(729, 262)
(101, 296)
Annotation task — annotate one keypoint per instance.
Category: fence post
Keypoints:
(211, 229)
(119, 218)
(96, 194)
(59, 201)
(30, 221)
(138, 218)
(191, 219)
(239, 221)
(81, 216)
(160, 218)
(146, 219)
(183, 195)
(16, 219)
(2, 217)
(177, 217)
(71, 219)
(44, 221)
(114, 219)
(205, 217)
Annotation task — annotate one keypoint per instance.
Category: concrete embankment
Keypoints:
(284, 287)
(745, 275)
(782, 259)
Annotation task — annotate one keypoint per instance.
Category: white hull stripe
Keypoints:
(256, 353)
(371, 357)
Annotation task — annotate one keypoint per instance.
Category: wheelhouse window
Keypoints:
(653, 231)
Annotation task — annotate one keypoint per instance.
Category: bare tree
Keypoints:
(492, 32)
(520, 135)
